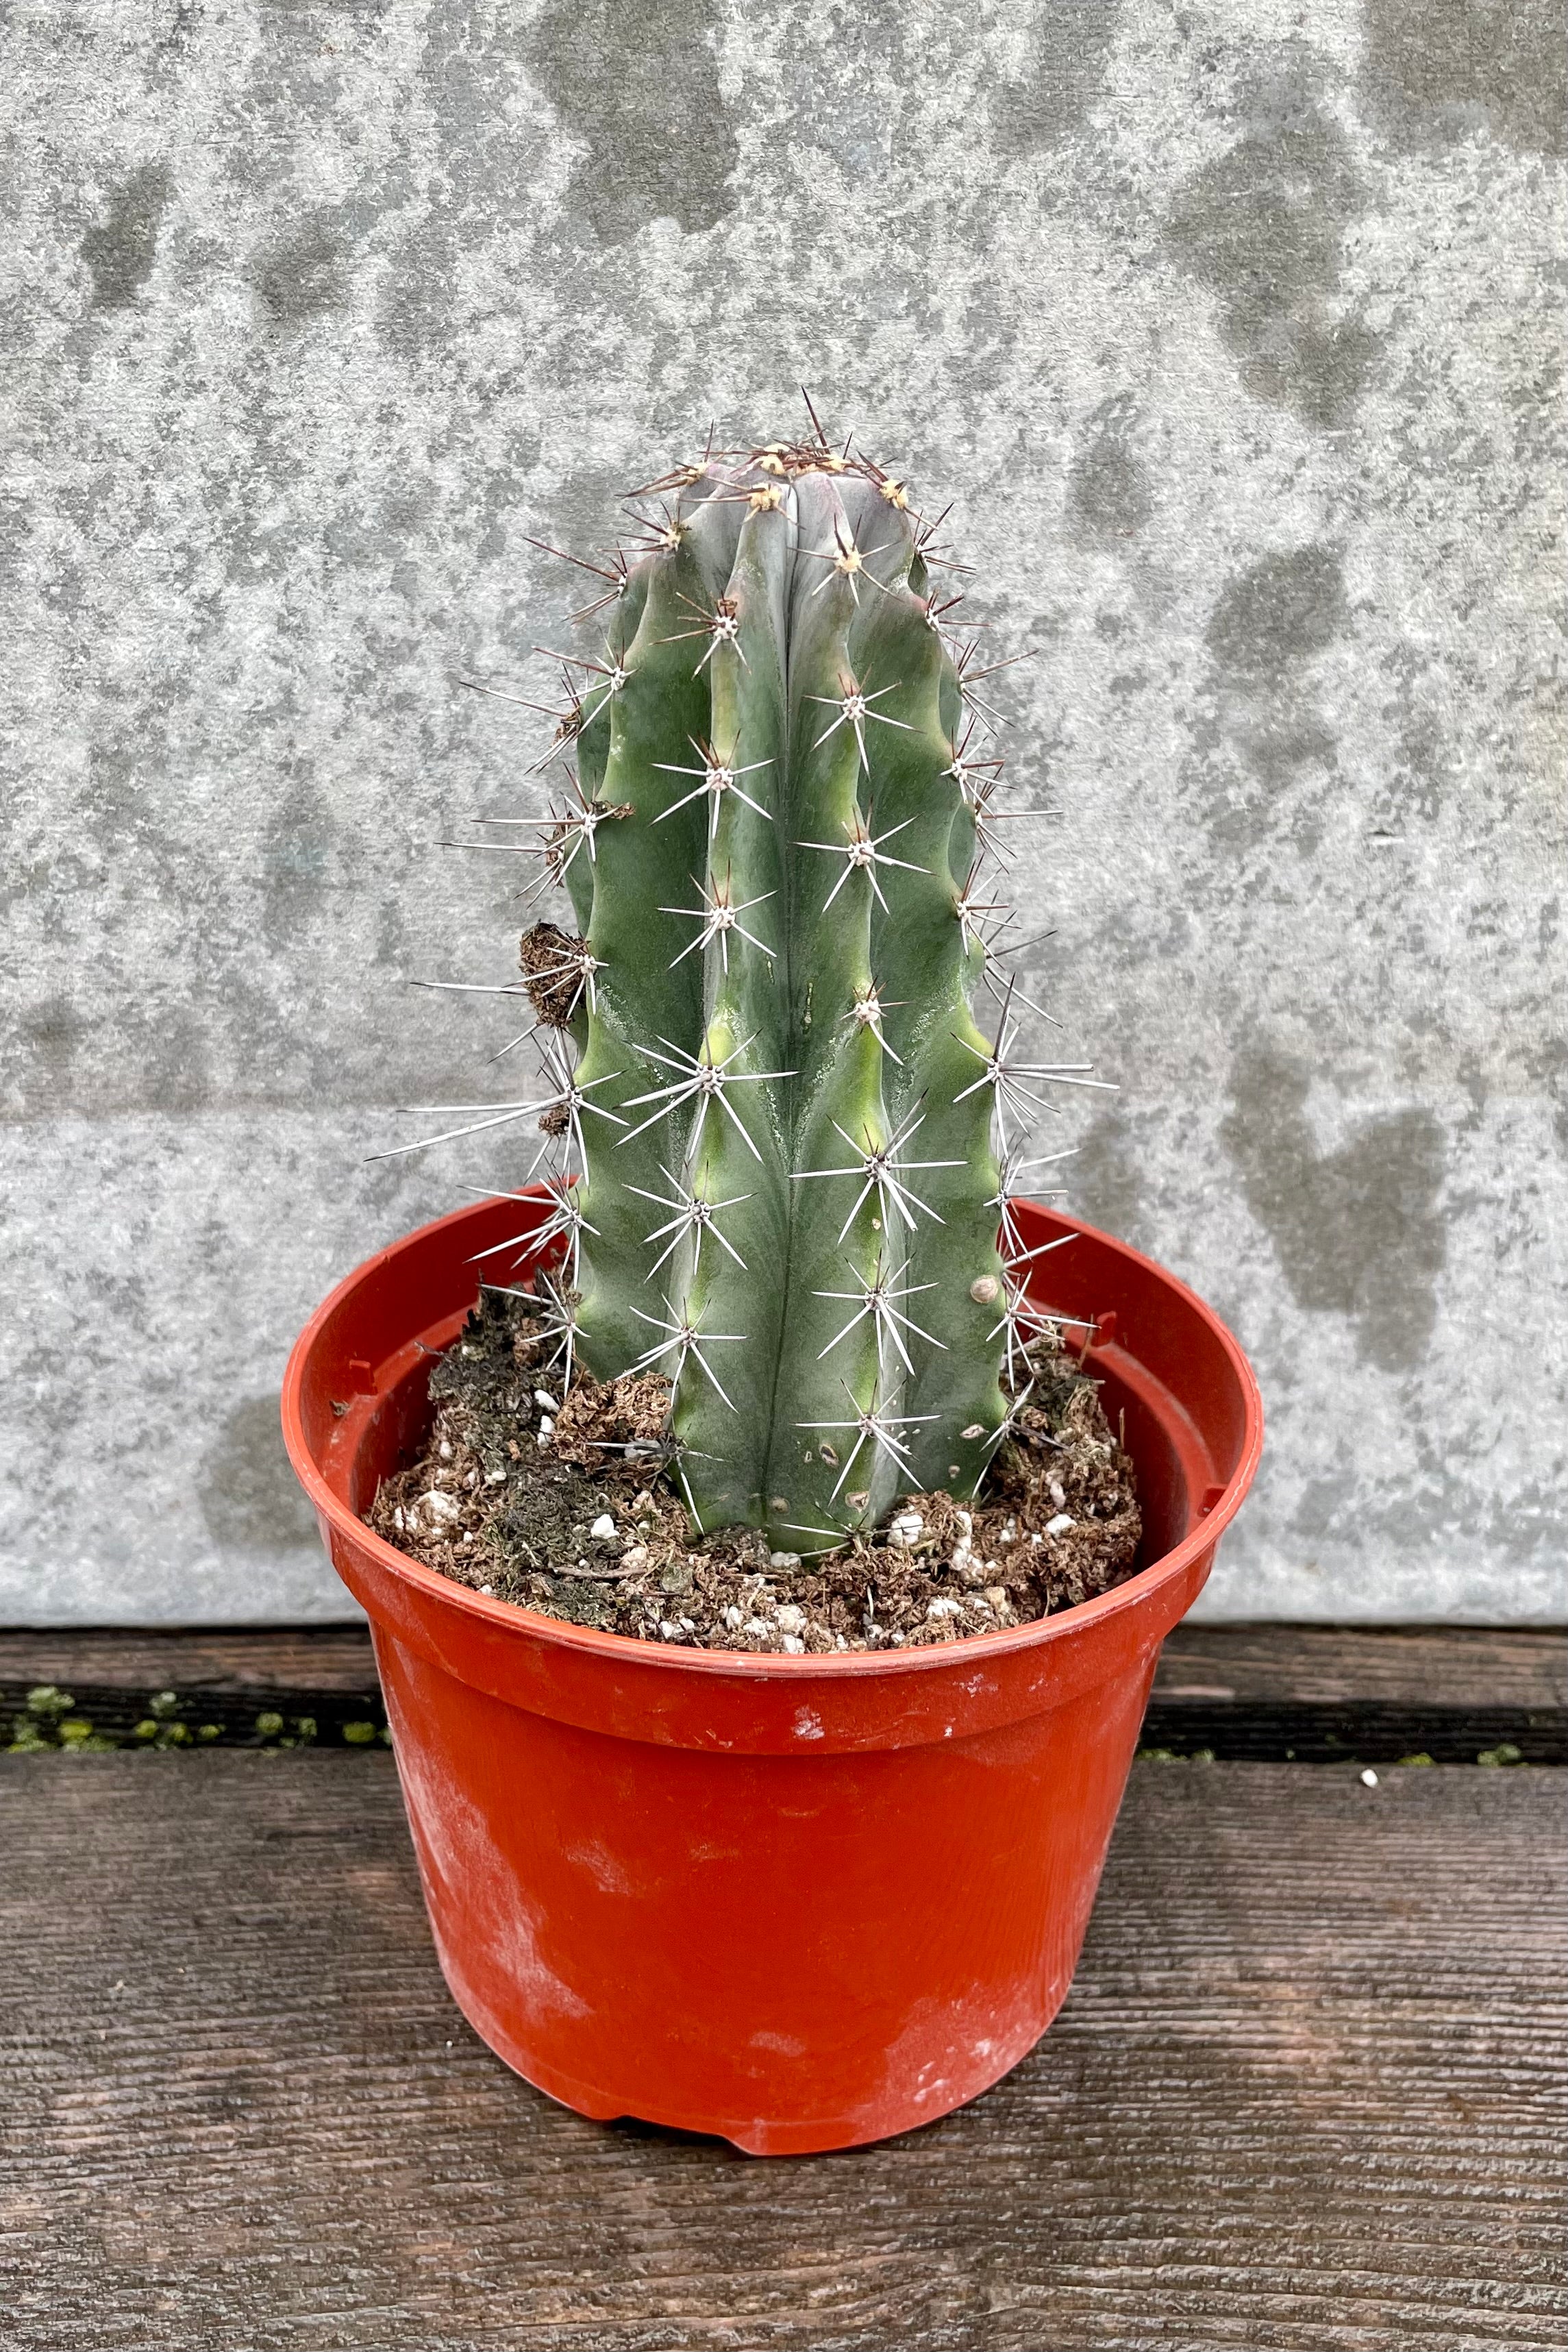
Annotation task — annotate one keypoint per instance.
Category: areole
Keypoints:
(802, 1903)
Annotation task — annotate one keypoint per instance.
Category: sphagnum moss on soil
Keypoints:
(780, 1146)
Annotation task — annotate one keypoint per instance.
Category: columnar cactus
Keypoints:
(792, 1138)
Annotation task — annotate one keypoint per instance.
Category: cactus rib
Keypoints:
(790, 1132)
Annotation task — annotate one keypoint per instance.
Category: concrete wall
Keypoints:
(1224, 325)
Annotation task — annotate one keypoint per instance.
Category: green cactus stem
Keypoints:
(791, 1137)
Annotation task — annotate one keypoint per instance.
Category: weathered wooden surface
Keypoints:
(1305, 2097)
(1249, 1692)
(1459, 1665)
(1453, 1664)
(221, 1683)
(1318, 1693)
(235, 1659)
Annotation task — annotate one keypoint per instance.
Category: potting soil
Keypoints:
(569, 1506)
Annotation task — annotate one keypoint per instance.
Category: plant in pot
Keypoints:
(766, 1628)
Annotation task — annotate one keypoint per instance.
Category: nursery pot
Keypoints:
(801, 1902)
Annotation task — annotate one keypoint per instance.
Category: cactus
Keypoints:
(793, 1142)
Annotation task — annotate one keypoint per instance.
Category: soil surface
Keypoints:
(565, 1506)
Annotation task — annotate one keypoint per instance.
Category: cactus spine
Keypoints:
(786, 1120)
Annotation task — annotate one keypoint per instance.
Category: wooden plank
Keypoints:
(1252, 1693)
(1449, 1665)
(1523, 1666)
(1326, 1693)
(1306, 2096)
(236, 1660)
(236, 1688)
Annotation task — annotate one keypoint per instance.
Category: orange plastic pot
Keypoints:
(799, 1902)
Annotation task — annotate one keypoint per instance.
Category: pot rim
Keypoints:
(510, 1616)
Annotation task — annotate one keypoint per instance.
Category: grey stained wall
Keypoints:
(1225, 327)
